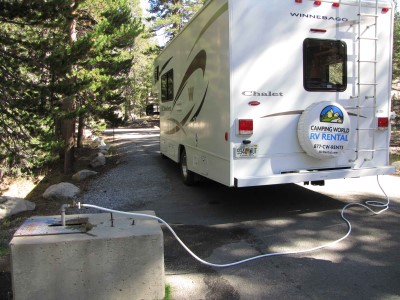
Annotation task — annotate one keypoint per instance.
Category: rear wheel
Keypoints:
(187, 175)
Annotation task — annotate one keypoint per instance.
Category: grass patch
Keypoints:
(4, 250)
(8, 226)
(168, 295)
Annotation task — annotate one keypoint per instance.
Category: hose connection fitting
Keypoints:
(74, 204)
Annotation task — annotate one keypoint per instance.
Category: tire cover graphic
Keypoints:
(324, 130)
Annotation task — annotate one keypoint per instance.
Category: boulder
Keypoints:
(104, 148)
(98, 161)
(12, 205)
(83, 174)
(98, 141)
(62, 191)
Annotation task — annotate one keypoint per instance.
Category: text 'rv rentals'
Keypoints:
(258, 92)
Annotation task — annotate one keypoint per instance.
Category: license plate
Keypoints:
(246, 151)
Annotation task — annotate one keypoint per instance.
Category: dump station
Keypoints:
(94, 256)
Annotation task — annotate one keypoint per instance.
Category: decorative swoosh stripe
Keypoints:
(217, 14)
(355, 115)
(199, 62)
(165, 65)
(179, 125)
(200, 107)
(286, 113)
(299, 112)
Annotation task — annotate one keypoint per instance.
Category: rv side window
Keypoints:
(324, 65)
(167, 86)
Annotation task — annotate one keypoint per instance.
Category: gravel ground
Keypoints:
(135, 181)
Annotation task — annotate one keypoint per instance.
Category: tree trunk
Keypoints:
(67, 131)
(68, 123)
(81, 127)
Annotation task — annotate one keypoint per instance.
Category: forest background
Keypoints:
(67, 65)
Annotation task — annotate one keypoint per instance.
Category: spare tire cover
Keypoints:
(324, 130)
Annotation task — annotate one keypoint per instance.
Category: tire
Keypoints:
(187, 175)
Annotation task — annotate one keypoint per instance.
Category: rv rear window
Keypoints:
(167, 86)
(324, 65)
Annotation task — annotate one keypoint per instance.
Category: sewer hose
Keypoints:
(368, 205)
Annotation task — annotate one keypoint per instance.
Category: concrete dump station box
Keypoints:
(95, 256)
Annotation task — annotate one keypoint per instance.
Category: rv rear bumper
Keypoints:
(312, 176)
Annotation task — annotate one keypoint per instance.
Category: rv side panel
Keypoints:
(196, 117)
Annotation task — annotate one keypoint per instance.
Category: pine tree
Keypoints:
(106, 69)
(170, 16)
(26, 35)
(56, 55)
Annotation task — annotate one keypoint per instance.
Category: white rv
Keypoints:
(256, 92)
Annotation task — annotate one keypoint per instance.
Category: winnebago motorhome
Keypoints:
(256, 92)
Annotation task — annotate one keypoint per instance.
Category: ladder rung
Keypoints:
(357, 107)
(365, 150)
(367, 38)
(367, 83)
(366, 107)
(368, 61)
(366, 97)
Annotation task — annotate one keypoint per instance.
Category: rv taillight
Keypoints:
(298, 1)
(385, 9)
(318, 3)
(383, 122)
(245, 126)
(335, 4)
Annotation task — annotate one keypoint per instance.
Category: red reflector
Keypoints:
(385, 9)
(245, 126)
(383, 122)
(298, 1)
(226, 136)
(254, 103)
(318, 3)
(318, 30)
(335, 4)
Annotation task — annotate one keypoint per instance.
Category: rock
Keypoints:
(99, 141)
(12, 205)
(104, 148)
(83, 174)
(61, 191)
(396, 164)
(98, 161)
(104, 151)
